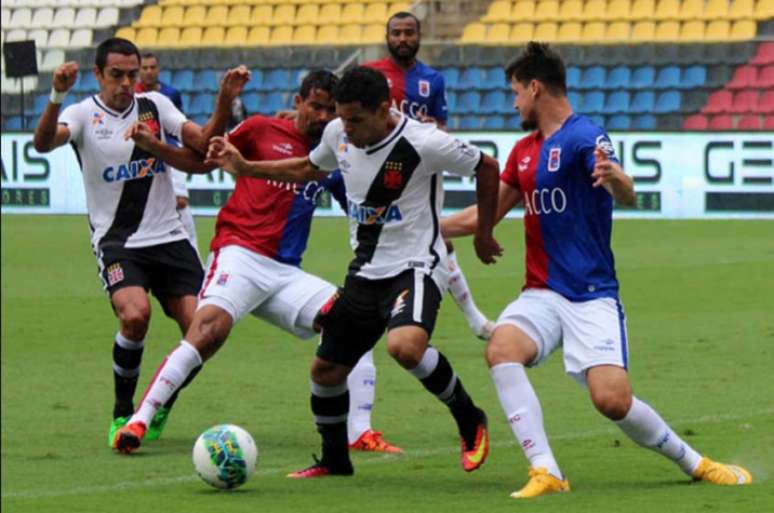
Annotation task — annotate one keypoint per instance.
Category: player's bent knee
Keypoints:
(612, 403)
(509, 344)
(327, 373)
(134, 319)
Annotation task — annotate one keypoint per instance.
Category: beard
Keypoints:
(315, 130)
(529, 124)
(403, 52)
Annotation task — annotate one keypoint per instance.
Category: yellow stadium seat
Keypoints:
(375, 13)
(308, 14)
(742, 10)
(191, 36)
(715, 10)
(305, 35)
(235, 36)
(499, 11)
(399, 7)
(125, 33)
(498, 33)
(717, 30)
(352, 13)
(643, 31)
(569, 32)
(571, 10)
(617, 31)
(667, 10)
(743, 30)
(261, 15)
(213, 36)
(281, 36)
(522, 32)
(764, 9)
(284, 14)
(546, 31)
(149, 17)
(668, 31)
(692, 31)
(328, 34)
(594, 32)
(172, 16)
(351, 34)
(691, 9)
(618, 10)
(373, 34)
(217, 16)
(330, 14)
(195, 16)
(146, 36)
(547, 10)
(594, 10)
(168, 37)
(258, 36)
(474, 33)
(642, 10)
(522, 10)
(238, 15)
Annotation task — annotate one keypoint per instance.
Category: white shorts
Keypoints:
(241, 281)
(591, 333)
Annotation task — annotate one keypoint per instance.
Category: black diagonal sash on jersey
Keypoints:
(387, 186)
(134, 196)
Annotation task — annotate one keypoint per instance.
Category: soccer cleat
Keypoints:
(320, 470)
(129, 437)
(473, 455)
(372, 441)
(541, 482)
(115, 425)
(485, 332)
(157, 424)
(721, 473)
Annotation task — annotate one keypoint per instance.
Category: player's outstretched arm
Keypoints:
(487, 180)
(183, 158)
(611, 176)
(49, 134)
(465, 222)
(225, 155)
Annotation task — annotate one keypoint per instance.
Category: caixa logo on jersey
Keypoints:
(134, 170)
(374, 215)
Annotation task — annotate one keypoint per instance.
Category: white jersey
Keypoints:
(129, 193)
(395, 193)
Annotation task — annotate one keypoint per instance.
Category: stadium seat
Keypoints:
(642, 10)
(493, 123)
(147, 36)
(764, 54)
(645, 122)
(668, 78)
(764, 9)
(694, 77)
(667, 10)
(521, 32)
(278, 79)
(643, 77)
(717, 30)
(191, 36)
(107, 17)
(494, 78)
(691, 9)
(573, 77)
(765, 78)
(21, 18)
(721, 122)
(643, 31)
(375, 13)
(351, 34)
(308, 14)
(692, 31)
(667, 31)
(617, 102)
(252, 102)
(352, 13)
(618, 78)
(281, 36)
(546, 10)
(235, 36)
(741, 10)
(499, 33)
(40, 36)
(451, 77)
(619, 122)
(207, 80)
(643, 102)
(571, 10)
(168, 37)
(668, 101)
(195, 16)
(274, 103)
(261, 15)
(752, 122)
(498, 11)
(493, 102)
(150, 17)
(768, 123)
(522, 10)
(696, 122)
(766, 102)
(126, 33)
(576, 100)
(81, 38)
(469, 102)
(183, 81)
(201, 104)
(328, 34)
(329, 14)
(471, 78)
(744, 77)
(85, 17)
(593, 102)
(546, 31)
(743, 30)
(594, 32)
(474, 33)
(715, 10)
(172, 16)
(593, 78)
(618, 31)
(52, 59)
(284, 14)
(13, 123)
(304, 35)
(41, 18)
(470, 123)
(744, 102)
(513, 122)
(451, 101)
(258, 36)
(719, 102)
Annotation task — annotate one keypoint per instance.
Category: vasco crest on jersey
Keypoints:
(393, 178)
(150, 122)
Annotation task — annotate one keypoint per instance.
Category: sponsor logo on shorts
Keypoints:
(222, 279)
(115, 273)
(400, 303)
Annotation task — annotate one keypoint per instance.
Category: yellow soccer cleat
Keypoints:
(541, 483)
(721, 473)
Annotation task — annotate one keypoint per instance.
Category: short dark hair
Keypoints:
(318, 79)
(365, 85)
(540, 62)
(114, 45)
(403, 15)
(149, 55)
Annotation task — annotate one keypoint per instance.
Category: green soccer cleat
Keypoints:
(117, 424)
(157, 424)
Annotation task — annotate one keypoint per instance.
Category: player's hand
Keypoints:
(142, 136)
(286, 114)
(224, 155)
(233, 81)
(487, 248)
(423, 118)
(64, 76)
(605, 170)
(182, 202)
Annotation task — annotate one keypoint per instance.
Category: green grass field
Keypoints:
(700, 302)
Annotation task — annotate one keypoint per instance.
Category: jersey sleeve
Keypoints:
(72, 118)
(171, 118)
(177, 100)
(443, 152)
(439, 110)
(178, 183)
(510, 174)
(593, 137)
(324, 155)
(243, 136)
(335, 185)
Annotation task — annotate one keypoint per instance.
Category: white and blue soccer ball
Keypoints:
(224, 456)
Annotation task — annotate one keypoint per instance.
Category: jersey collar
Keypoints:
(370, 150)
(112, 112)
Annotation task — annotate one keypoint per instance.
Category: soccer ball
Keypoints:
(224, 456)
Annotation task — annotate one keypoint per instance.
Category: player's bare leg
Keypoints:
(463, 297)
(507, 353)
(611, 394)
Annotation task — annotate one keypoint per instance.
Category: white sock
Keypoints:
(460, 291)
(169, 377)
(643, 425)
(522, 409)
(362, 389)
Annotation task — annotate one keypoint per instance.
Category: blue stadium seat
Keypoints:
(593, 102)
(668, 78)
(513, 122)
(451, 77)
(593, 78)
(618, 78)
(668, 101)
(469, 102)
(200, 119)
(453, 122)
(642, 78)
(256, 79)
(493, 102)
(252, 102)
(202, 103)
(494, 123)
(273, 103)
(573, 77)
(576, 100)
(165, 76)
(646, 122)
(620, 122)
(13, 123)
(617, 102)
(494, 79)
(470, 123)
(183, 81)
(207, 80)
(277, 79)
(87, 83)
(186, 99)
(598, 120)
(296, 77)
(451, 102)
(471, 78)
(40, 104)
(694, 76)
(643, 102)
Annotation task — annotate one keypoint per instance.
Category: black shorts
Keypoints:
(356, 317)
(167, 270)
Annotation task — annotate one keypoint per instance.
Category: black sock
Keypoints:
(330, 406)
(171, 401)
(127, 355)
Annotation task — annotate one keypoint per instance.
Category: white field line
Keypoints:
(414, 454)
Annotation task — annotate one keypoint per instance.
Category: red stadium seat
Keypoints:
(745, 101)
(749, 123)
(744, 77)
(696, 122)
(722, 122)
(765, 77)
(766, 102)
(764, 55)
(768, 123)
(718, 102)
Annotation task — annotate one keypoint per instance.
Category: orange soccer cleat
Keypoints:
(372, 441)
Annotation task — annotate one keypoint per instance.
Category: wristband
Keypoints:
(57, 97)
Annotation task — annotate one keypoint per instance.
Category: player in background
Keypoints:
(567, 177)
(136, 233)
(254, 264)
(391, 167)
(418, 91)
(149, 81)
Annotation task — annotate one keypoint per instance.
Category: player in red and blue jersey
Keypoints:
(567, 177)
(254, 263)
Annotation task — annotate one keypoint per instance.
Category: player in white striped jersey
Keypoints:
(392, 172)
(136, 232)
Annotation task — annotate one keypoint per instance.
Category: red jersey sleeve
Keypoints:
(510, 173)
(244, 135)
